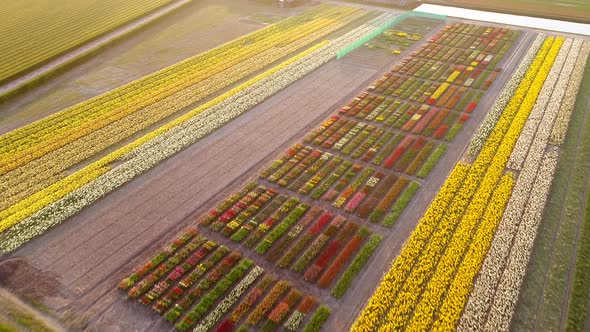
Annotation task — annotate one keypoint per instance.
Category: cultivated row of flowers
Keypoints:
(162, 143)
(550, 92)
(507, 293)
(489, 122)
(216, 314)
(266, 304)
(297, 317)
(480, 300)
(567, 105)
(451, 308)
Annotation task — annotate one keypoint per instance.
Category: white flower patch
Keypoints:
(296, 318)
(214, 316)
(567, 106)
(506, 295)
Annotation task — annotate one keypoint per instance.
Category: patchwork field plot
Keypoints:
(312, 210)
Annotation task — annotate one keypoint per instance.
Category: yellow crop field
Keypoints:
(35, 31)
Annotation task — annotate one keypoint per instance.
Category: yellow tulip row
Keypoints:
(165, 82)
(465, 210)
(460, 287)
(487, 170)
(441, 89)
(50, 167)
(59, 189)
(443, 275)
(383, 298)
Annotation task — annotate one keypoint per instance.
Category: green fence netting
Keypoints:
(381, 29)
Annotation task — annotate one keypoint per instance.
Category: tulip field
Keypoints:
(194, 270)
(37, 160)
(319, 210)
(301, 178)
(464, 264)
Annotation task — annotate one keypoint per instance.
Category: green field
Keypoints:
(35, 31)
(575, 10)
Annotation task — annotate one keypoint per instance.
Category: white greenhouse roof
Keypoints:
(525, 21)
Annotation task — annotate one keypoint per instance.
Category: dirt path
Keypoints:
(55, 64)
(17, 305)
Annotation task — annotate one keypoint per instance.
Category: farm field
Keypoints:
(273, 218)
(344, 168)
(75, 136)
(561, 10)
(31, 23)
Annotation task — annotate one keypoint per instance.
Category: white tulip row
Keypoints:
(483, 293)
(550, 92)
(503, 99)
(296, 318)
(214, 316)
(178, 138)
(507, 293)
(567, 105)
